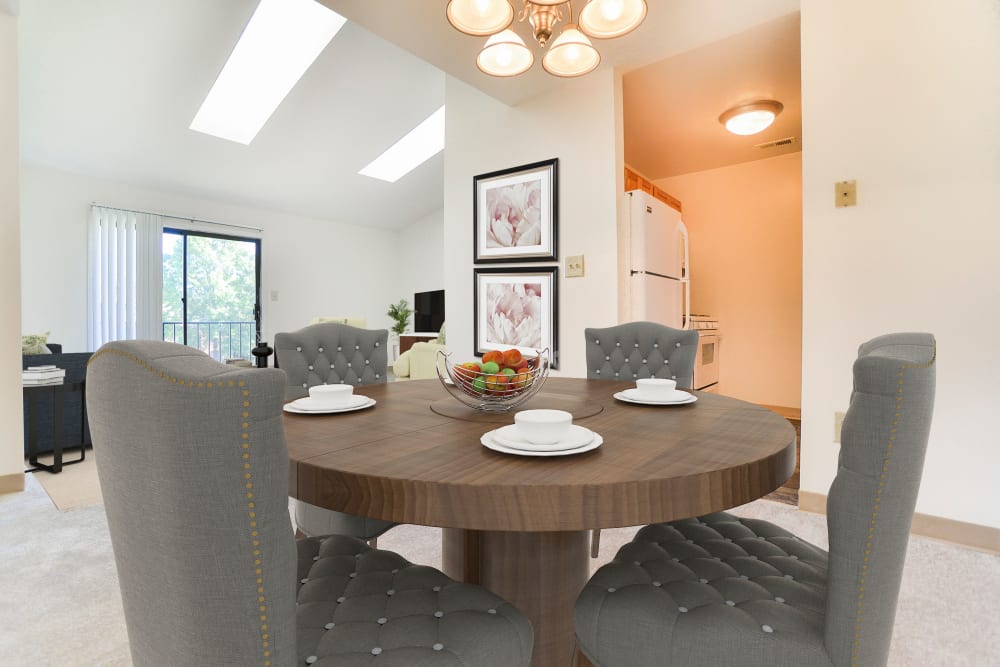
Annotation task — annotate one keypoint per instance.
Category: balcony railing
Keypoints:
(220, 340)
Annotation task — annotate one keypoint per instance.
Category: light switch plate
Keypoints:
(574, 266)
(845, 193)
(274, 295)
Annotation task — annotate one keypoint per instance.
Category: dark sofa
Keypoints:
(75, 364)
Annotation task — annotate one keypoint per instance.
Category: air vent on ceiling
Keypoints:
(787, 141)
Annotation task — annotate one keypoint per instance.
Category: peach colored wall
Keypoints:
(745, 225)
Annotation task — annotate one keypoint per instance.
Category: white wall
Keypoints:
(904, 97)
(577, 125)
(420, 258)
(318, 267)
(11, 434)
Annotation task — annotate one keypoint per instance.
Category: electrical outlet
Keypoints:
(845, 193)
(838, 423)
(574, 266)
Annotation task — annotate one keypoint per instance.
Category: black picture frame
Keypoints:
(513, 281)
(533, 191)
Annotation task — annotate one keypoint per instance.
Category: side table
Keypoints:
(58, 391)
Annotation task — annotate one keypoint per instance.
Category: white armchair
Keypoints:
(418, 362)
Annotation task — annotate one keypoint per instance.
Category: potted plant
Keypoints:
(400, 312)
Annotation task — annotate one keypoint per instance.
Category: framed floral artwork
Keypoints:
(516, 213)
(517, 307)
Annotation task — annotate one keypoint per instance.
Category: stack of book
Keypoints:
(34, 376)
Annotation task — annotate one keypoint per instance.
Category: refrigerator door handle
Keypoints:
(685, 276)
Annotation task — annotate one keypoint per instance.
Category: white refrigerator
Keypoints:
(659, 284)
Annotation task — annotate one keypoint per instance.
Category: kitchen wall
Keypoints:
(11, 434)
(317, 267)
(745, 226)
(903, 96)
(578, 125)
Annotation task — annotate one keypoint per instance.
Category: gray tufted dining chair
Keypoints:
(721, 590)
(193, 468)
(636, 350)
(332, 353)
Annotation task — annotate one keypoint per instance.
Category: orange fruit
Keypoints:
(495, 356)
(511, 357)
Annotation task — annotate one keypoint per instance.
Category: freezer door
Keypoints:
(657, 241)
(657, 299)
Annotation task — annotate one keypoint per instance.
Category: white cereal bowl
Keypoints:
(656, 389)
(331, 395)
(543, 427)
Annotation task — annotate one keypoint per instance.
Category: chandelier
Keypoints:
(569, 54)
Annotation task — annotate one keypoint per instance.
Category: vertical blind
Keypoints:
(125, 289)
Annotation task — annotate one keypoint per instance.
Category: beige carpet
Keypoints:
(76, 486)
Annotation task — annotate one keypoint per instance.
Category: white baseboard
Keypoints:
(974, 536)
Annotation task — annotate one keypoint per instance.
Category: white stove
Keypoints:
(706, 361)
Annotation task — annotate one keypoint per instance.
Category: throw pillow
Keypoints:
(35, 344)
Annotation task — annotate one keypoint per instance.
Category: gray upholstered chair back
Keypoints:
(194, 471)
(331, 353)
(871, 502)
(640, 350)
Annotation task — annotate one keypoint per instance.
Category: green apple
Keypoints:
(491, 367)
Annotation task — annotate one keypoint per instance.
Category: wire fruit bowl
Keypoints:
(493, 392)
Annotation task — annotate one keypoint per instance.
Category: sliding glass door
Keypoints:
(211, 292)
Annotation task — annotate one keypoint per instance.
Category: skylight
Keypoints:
(422, 143)
(280, 42)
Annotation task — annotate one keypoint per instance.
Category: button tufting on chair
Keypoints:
(738, 574)
(242, 590)
(644, 339)
(305, 368)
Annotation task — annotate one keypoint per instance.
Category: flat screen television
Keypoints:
(428, 311)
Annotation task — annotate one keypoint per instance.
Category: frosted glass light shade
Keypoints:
(605, 19)
(480, 17)
(747, 119)
(571, 54)
(505, 55)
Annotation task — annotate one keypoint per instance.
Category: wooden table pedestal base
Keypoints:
(539, 573)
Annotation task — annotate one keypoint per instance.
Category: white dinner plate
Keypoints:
(510, 437)
(302, 406)
(490, 443)
(632, 396)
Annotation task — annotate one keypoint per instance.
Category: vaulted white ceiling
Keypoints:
(109, 88)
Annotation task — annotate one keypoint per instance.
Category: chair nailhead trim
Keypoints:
(779, 599)
(382, 621)
(376, 650)
(682, 610)
(311, 659)
(438, 614)
(303, 581)
(436, 589)
(491, 611)
(438, 647)
(730, 603)
(329, 626)
(767, 628)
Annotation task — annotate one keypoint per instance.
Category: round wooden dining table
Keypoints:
(519, 525)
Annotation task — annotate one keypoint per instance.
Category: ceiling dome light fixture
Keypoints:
(569, 54)
(751, 118)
